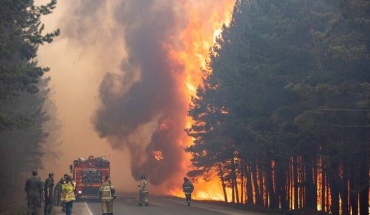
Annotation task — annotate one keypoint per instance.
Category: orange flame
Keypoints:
(209, 190)
(197, 38)
(158, 155)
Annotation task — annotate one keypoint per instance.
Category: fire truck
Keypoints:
(89, 173)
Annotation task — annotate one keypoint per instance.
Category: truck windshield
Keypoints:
(91, 176)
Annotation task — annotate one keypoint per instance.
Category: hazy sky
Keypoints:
(120, 72)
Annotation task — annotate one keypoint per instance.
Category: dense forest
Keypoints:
(23, 91)
(283, 116)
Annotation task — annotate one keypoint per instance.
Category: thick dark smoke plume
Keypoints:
(144, 98)
(155, 96)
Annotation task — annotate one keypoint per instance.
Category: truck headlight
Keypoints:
(80, 191)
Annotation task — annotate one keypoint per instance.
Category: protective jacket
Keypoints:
(68, 193)
(143, 187)
(188, 187)
(107, 192)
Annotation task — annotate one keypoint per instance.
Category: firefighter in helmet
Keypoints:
(188, 188)
(143, 191)
(62, 202)
(68, 194)
(107, 194)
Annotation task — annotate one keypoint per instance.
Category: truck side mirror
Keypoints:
(70, 168)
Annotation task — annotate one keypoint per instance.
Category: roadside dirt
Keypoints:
(260, 209)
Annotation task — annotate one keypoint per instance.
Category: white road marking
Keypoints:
(88, 209)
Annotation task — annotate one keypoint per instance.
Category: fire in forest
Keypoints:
(162, 46)
(144, 104)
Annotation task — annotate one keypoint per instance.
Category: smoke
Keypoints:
(142, 105)
(129, 48)
(154, 99)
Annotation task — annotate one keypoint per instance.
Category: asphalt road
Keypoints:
(158, 205)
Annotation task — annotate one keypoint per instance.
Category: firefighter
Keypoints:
(107, 194)
(188, 188)
(143, 191)
(61, 200)
(35, 191)
(49, 196)
(68, 194)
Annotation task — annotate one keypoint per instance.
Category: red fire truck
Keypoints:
(89, 173)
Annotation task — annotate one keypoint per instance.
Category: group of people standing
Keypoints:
(187, 188)
(63, 194)
(37, 190)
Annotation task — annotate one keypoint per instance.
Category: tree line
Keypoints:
(23, 91)
(283, 115)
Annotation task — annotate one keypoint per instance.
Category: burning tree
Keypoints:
(286, 105)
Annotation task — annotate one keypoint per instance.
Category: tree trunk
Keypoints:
(344, 193)
(269, 183)
(309, 183)
(323, 187)
(255, 183)
(353, 181)
(301, 176)
(222, 182)
(334, 189)
(235, 183)
(364, 182)
(314, 182)
(249, 196)
(261, 185)
(242, 172)
(295, 181)
(232, 191)
(282, 171)
(328, 194)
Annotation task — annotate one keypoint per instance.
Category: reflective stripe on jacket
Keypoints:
(107, 192)
(143, 187)
(188, 187)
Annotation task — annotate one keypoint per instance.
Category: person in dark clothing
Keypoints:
(34, 189)
(57, 192)
(188, 188)
(49, 194)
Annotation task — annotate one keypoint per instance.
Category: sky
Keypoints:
(122, 75)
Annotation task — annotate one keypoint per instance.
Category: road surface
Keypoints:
(158, 205)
